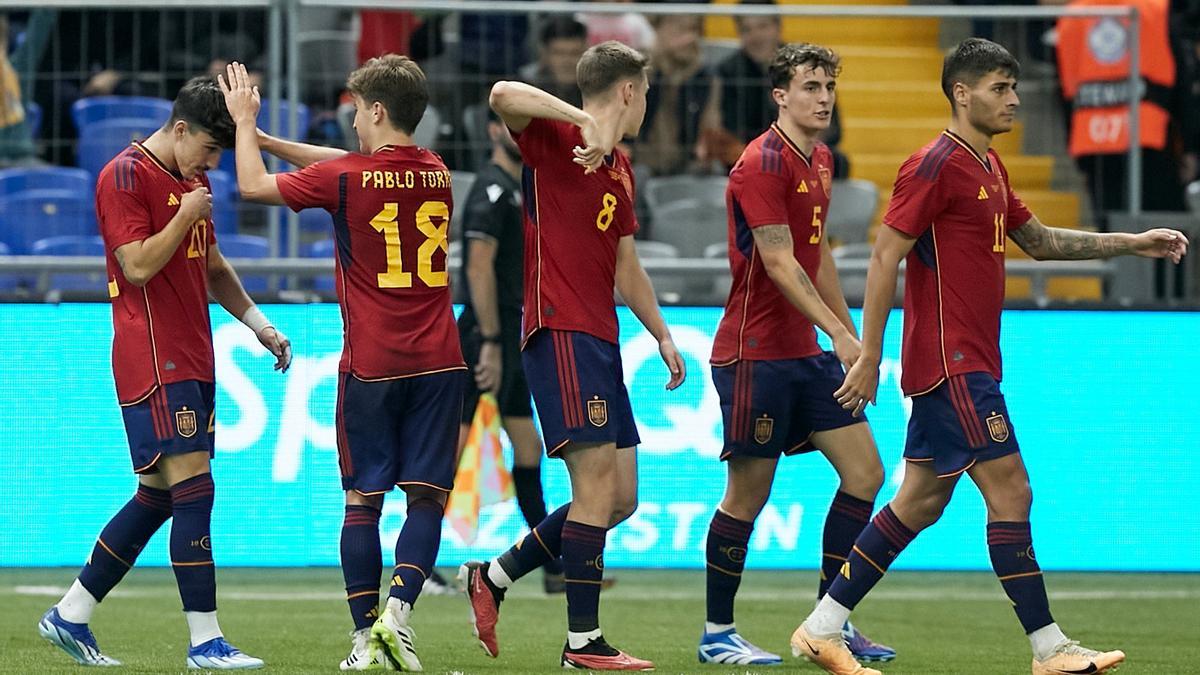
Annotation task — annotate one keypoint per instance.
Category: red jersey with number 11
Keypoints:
(391, 211)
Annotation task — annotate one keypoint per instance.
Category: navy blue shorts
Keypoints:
(175, 419)
(579, 389)
(771, 408)
(398, 432)
(962, 421)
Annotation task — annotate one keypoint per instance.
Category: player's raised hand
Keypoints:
(196, 204)
(1161, 242)
(674, 360)
(278, 344)
(241, 98)
(860, 385)
(597, 144)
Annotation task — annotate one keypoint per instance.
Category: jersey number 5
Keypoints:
(385, 223)
(818, 226)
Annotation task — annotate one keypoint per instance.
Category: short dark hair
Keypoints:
(737, 20)
(607, 63)
(972, 59)
(561, 27)
(791, 58)
(398, 83)
(201, 104)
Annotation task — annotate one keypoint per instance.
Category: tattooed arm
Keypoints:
(1055, 243)
(774, 244)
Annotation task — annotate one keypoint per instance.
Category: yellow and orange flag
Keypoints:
(482, 478)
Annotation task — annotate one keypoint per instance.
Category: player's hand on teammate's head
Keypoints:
(278, 344)
(197, 203)
(241, 97)
(860, 386)
(674, 360)
(1161, 242)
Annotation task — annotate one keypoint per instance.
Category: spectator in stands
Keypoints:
(16, 136)
(561, 42)
(681, 101)
(629, 28)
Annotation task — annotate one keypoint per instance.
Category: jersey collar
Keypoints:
(157, 162)
(987, 164)
(790, 143)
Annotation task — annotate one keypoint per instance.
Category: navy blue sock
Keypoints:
(541, 545)
(1011, 548)
(123, 539)
(416, 548)
(362, 563)
(527, 483)
(583, 566)
(191, 546)
(848, 515)
(873, 552)
(725, 555)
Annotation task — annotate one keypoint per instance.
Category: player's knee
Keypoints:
(864, 482)
(355, 498)
(1015, 504)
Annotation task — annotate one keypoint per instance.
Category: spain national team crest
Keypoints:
(185, 422)
(997, 428)
(598, 412)
(763, 428)
(826, 179)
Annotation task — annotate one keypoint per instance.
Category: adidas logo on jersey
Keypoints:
(802, 187)
(982, 194)
(172, 200)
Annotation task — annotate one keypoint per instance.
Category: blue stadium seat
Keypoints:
(28, 216)
(103, 140)
(33, 115)
(316, 220)
(228, 161)
(320, 249)
(17, 180)
(225, 197)
(7, 281)
(88, 111)
(246, 246)
(73, 245)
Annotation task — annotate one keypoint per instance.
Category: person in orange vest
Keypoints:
(1093, 62)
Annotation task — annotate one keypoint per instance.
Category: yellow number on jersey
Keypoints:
(605, 217)
(198, 240)
(998, 238)
(818, 226)
(385, 223)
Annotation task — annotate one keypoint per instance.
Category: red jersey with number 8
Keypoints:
(391, 213)
(573, 223)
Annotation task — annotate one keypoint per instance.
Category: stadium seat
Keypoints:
(33, 115)
(316, 220)
(88, 111)
(72, 245)
(852, 205)
(31, 215)
(225, 198)
(689, 225)
(460, 187)
(100, 141)
(721, 285)
(17, 180)
(320, 249)
(7, 281)
(669, 289)
(228, 161)
(246, 246)
(664, 190)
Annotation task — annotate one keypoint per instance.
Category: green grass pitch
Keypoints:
(941, 623)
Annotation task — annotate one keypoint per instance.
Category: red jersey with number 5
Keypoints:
(773, 183)
(161, 331)
(573, 222)
(391, 211)
(960, 207)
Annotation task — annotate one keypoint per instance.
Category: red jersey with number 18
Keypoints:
(960, 207)
(161, 331)
(391, 211)
(573, 222)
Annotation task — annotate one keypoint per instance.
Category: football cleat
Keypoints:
(1072, 659)
(864, 648)
(360, 657)
(395, 643)
(727, 647)
(599, 655)
(217, 654)
(436, 584)
(75, 639)
(485, 605)
(829, 653)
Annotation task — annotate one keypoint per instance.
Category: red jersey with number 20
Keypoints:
(161, 331)
(960, 207)
(773, 183)
(573, 222)
(391, 211)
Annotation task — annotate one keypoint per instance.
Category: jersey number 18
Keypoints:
(385, 223)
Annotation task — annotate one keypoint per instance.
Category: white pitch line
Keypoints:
(641, 595)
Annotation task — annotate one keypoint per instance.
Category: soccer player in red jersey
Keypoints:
(579, 226)
(155, 213)
(401, 377)
(776, 383)
(952, 209)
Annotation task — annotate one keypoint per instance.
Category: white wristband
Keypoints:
(256, 320)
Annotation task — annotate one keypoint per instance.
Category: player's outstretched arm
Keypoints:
(638, 293)
(775, 247)
(862, 380)
(243, 102)
(518, 104)
(1055, 243)
(294, 153)
(226, 288)
(829, 286)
